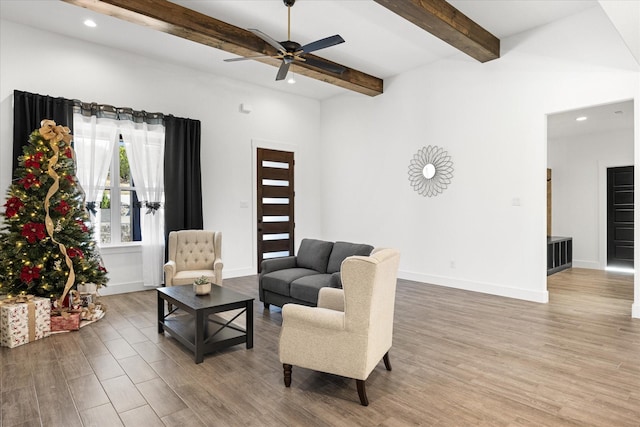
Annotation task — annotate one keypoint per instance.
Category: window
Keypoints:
(119, 209)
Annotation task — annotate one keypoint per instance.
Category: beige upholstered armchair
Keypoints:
(351, 328)
(193, 253)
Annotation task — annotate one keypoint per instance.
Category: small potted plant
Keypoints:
(202, 285)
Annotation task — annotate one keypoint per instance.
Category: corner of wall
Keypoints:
(635, 310)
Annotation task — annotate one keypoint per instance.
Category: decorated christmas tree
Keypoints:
(46, 243)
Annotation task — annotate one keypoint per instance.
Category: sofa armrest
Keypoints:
(332, 299)
(335, 280)
(169, 272)
(274, 264)
(302, 316)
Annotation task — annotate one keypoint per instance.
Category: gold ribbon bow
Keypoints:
(50, 131)
(19, 299)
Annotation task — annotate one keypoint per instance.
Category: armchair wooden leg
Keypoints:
(362, 393)
(287, 374)
(387, 363)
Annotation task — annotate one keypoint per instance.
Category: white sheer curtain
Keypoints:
(144, 142)
(93, 140)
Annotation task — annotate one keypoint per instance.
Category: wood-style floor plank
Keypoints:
(18, 407)
(142, 416)
(123, 394)
(99, 416)
(459, 358)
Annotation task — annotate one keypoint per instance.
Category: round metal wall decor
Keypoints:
(430, 171)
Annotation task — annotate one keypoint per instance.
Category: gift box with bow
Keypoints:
(24, 319)
(65, 321)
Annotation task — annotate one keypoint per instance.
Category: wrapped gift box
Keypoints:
(24, 321)
(65, 321)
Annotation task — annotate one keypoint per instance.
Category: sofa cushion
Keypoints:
(342, 250)
(314, 254)
(278, 281)
(306, 288)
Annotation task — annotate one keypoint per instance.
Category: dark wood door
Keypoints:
(620, 217)
(275, 204)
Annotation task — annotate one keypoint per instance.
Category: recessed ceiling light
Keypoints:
(581, 118)
(90, 23)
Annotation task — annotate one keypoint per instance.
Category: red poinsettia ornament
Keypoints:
(63, 208)
(29, 273)
(13, 205)
(82, 225)
(75, 252)
(33, 231)
(34, 161)
(29, 181)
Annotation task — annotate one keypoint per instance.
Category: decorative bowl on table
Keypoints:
(202, 286)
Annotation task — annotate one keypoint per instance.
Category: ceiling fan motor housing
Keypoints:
(291, 46)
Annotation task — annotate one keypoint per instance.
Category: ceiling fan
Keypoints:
(290, 51)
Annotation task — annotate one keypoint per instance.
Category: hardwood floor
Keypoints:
(459, 359)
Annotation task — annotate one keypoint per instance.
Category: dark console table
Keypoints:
(559, 253)
(201, 331)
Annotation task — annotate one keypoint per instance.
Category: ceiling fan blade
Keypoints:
(321, 44)
(244, 58)
(334, 68)
(283, 70)
(268, 39)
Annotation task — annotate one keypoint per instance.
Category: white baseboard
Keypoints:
(593, 265)
(123, 288)
(238, 272)
(486, 288)
(635, 310)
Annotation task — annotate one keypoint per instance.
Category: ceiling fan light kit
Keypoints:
(290, 51)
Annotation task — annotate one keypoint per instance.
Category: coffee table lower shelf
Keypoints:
(183, 329)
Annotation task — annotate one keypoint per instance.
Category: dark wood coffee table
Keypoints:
(202, 332)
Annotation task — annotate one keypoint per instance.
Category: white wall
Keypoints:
(46, 63)
(579, 195)
(491, 118)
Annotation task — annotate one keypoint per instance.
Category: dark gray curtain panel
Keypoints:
(29, 109)
(182, 175)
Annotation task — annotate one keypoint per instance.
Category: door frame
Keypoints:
(270, 145)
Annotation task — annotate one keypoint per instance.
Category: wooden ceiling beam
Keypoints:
(448, 24)
(171, 18)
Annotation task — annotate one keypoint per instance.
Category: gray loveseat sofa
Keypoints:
(299, 278)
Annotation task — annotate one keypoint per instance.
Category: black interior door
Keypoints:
(620, 217)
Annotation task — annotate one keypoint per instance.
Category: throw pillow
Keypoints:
(314, 254)
(342, 250)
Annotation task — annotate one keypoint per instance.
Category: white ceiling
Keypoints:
(378, 42)
(599, 118)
